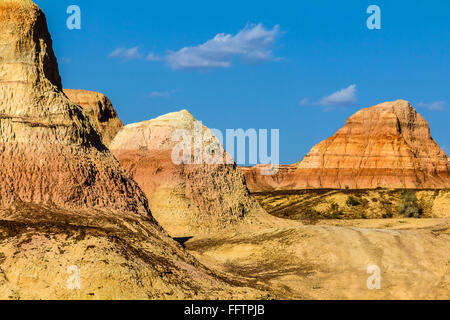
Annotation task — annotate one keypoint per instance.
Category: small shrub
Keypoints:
(409, 205)
(334, 211)
(353, 202)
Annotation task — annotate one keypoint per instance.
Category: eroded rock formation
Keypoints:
(51, 153)
(188, 198)
(385, 146)
(101, 111)
(257, 181)
(64, 199)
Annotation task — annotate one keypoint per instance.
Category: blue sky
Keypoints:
(299, 66)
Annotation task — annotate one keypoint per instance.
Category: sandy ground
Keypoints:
(330, 260)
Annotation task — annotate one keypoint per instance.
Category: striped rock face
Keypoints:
(51, 151)
(187, 198)
(385, 146)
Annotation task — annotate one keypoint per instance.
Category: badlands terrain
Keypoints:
(80, 189)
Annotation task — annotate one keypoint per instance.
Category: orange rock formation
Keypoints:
(387, 146)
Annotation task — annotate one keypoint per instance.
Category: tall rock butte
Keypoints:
(385, 146)
(50, 151)
(100, 110)
(190, 198)
(67, 207)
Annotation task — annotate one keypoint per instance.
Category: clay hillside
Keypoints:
(385, 146)
(188, 198)
(65, 201)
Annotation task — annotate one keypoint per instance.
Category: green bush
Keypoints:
(353, 202)
(334, 211)
(409, 205)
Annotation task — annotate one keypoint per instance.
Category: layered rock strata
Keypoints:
(385, 146)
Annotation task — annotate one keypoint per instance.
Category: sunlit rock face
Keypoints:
(385, 146)
(51, 152)
(186, 198)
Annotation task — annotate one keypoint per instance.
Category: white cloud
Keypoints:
(161, 94)
(253, 43)
(434, 106)
(126, 54)
(339, 98)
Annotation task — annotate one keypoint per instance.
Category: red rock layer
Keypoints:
(259, 182)
(387, 146)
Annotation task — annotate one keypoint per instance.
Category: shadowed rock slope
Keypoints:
(385, 146)
(192, 197)
(101, 111)
(65, 200)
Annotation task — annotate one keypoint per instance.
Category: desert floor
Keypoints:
(330, 260)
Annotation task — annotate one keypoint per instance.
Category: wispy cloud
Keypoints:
(434, 106)
(161, 94)
(65, 60)
(153, 57)
(126, 54)
(253, 43)
(339, 98)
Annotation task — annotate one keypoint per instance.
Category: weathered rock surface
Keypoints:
(186, 199)
(65, 200)
(387, 146)
(101, 111)
(50, 151)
